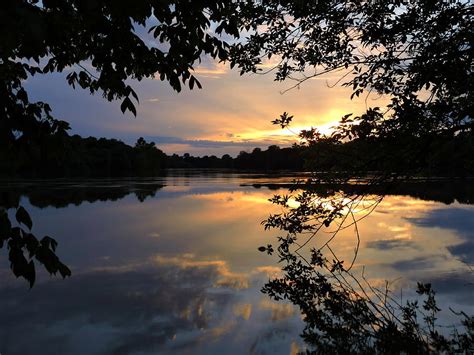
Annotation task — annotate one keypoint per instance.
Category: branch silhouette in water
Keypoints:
(343, 312)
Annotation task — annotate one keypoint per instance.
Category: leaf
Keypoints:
(132, 109)
(127, 104)
(5, 226)
(198, 84)
(30, 273)
(134, 94)
(124, 105)
(64, 270)
(23, 217)
(49, 242)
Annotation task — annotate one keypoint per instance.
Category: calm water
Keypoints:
(171, 265)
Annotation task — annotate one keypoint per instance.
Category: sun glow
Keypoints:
(285, 136)
(290, 135)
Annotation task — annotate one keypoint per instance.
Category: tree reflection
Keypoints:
(343, 312)
(24, 248)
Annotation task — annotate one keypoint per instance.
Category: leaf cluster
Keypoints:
(419, 54)
(101, 45)
(24, 248)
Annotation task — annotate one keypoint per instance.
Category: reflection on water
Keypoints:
(170, 265)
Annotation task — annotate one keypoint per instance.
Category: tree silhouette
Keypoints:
(420, 56)
(418, 53)
(98, 44)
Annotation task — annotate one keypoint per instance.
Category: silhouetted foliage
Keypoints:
(91, 157)
(446, 191)
(21, 240)
(24, 247)
(430, 155)
(64, 156)
(345, 315)
(97, 44)
(343, 312)
(418, 54)
(75, 156)
(63, 193)
(271, 159)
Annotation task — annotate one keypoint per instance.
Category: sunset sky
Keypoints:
(231, 113)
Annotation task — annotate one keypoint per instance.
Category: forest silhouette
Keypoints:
(75, 156)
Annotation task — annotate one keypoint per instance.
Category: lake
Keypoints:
(170, 264)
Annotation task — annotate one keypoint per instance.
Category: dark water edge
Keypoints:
(61, 192)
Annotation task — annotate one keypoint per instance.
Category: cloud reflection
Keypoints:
(458, 220)
(180, 272)
(385, 244)
(171, 304)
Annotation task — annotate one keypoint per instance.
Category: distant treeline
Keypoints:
(70, 156)
(273, 158)
(74, 156)
(430, 155)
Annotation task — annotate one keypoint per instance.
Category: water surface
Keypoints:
(170, 265)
